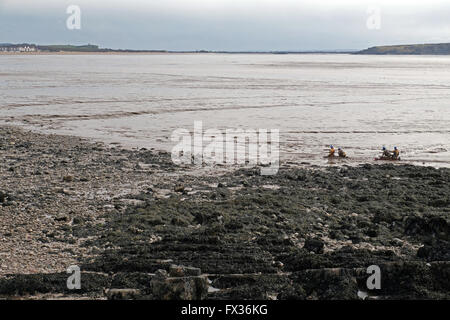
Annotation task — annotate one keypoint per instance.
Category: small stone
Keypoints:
(161, 274)
(179, 189)
(62, 218)
(77, 220)
(372, 233)
(278, 264)
(62, 191)
(68, 178)
(3, 197)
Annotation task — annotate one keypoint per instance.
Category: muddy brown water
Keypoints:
(359, 103)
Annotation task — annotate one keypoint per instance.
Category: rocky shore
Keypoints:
(140, 227)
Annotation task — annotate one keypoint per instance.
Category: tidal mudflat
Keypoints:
(127, 218)
(356, 102)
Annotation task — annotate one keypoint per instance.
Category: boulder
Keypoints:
(314, 245)
(178, 285)
(123, 294)
(3, 197)
(182, 271)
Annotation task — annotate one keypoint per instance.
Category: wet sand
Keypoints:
(305, 233)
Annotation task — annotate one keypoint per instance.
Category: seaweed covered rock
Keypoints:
(413, 280)
(281, 225)
(29, 284)
(328, 284)
(314, 245)
(427, 226)
(435, 251)
(182, 271)
(167, 287)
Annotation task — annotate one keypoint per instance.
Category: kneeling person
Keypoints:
(395, 154)
(386, 153)
(332, 151)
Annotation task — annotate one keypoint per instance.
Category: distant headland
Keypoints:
(412, 49)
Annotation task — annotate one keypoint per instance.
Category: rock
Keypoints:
(164, 261)
(441, 274)
(179, 288)
(355, 238)
(314, 245)
(62, 217)
(62, 191)
(427, 226)
(179, 188)
(123, 294)
(327, 283)
(182, 271)
(278, 264)
(372, 232)
(435, 251)
(77, 220)
(3, 197)
(161, 274)
(68, 178)
(396, 242)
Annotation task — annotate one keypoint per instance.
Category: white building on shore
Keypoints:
(18, 48)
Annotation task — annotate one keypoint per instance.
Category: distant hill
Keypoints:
(432, 49)
(57, 48)
(51, 48)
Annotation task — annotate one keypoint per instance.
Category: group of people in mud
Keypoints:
(341, 153)
(390, 155)
(386, 154)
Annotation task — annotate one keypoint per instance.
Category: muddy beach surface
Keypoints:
(128, 218)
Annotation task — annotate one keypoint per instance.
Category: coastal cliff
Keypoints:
(414, 49)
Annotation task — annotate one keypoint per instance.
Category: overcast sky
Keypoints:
(235, 25)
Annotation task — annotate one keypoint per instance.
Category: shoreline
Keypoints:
(122, 215)
(214, 52)
(91, 53)
(172, 52)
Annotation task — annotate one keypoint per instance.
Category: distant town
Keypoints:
(26, 47)
(18, 48)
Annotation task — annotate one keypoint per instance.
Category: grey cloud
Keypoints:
(240, 27)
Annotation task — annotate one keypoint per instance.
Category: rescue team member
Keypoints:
(332, 151)
(386, 153)
(395, 154)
